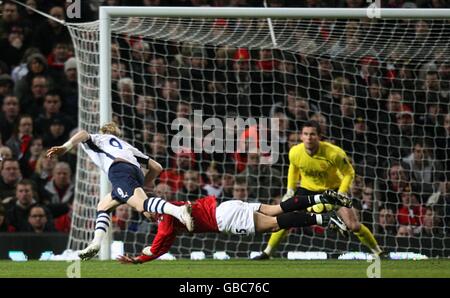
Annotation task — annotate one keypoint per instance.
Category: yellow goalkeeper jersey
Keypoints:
(328, 168)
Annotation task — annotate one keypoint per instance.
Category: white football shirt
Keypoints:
(103, 149)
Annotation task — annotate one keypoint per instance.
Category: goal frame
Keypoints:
(106, 12)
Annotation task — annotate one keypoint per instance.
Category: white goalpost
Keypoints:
(356, 71)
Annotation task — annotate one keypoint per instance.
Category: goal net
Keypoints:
(379, 88)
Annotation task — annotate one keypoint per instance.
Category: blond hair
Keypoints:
(111, 128)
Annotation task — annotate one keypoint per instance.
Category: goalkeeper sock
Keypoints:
(274, 241)
(296, 219)
(300, 203)
(102, 224)
(366, 237)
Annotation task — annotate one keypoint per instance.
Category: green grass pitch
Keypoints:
(230, 268)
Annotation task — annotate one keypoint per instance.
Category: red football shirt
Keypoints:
(204, 215)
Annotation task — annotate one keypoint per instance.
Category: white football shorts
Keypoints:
(236, 217)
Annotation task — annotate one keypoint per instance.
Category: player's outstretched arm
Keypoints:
(79, 137)
(126, 259)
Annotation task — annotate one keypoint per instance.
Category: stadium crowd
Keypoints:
(389, 112)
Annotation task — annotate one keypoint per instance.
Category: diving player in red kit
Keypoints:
(242, 218)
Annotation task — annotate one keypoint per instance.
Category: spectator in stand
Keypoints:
(166, 103)
(13, 46)
(31, 18)
(38, 220)
(411, 212)
(283, 136)
(364, 147)
(374, 105)
(442, 204)
(263, 181)
(10, 117)
(29, 160)
(424, 170)
(70, 90)
(213, 187)
(39, 87)
(240, 191)
(5, 152)
(62, 222)
(356, 190)
(349, 129)
(120, 219)
(191, 189)
(294, 139)
(144, 122)
(227, 183)
(265, 68)
(4, 226)
(3, 68)
(429, 93)
(321, 80)
(353, 3)
(241, 84)
(158, 149)
(402, 133)
(442, 144)
(298, 112)
(145, 109)
(10, 16)
(285, 74)
(10, 176)
(71, 156)
(184, 161)
(393, 108)
(404, 231)
(323, 122)
(392, 185)
(193, 74)
(156, 74)
(369, 70)
(444, 76)
(432, 226)
(20, 140)
(387, 222)
(184, 110)
(57, 58)
(331, 99)
(6, 86)
(118, 71)
(367, 207)
(24, 88)
(43, 173)
(342, 122)
(163, 190)
(123, 106)
(61, 188)
(56, 133)
(52, 108)
(50, 32)
(17, 206)
(22, 70)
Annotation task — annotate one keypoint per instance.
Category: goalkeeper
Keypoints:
(321, 166)
(241, 218)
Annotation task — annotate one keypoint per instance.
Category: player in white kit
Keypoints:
(122, 163)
